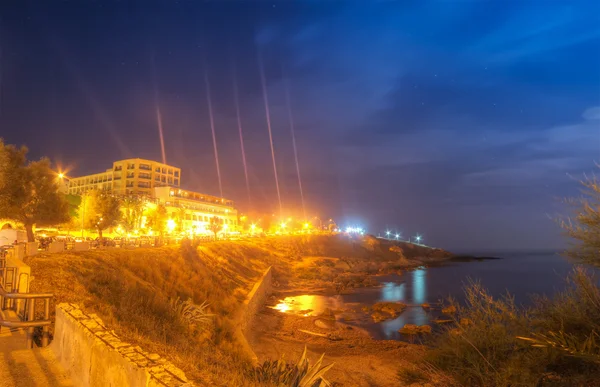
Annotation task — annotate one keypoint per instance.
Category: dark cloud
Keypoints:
(460, 120)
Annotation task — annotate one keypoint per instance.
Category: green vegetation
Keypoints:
(29, 190)
(284, 374)
(105, 211)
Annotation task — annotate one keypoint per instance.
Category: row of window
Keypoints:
(148, 167)
(203, 218)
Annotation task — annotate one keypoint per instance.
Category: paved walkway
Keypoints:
(20, 367)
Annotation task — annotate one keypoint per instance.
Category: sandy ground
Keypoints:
(359, 360)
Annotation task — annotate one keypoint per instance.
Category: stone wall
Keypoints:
(251, 306)
(95, 356)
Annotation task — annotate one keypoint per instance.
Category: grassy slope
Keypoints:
(130, 290)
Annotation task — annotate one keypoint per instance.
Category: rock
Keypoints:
(325, 324)
(409, 329)
(342, 265)
(378, 316)
(449, 310)
(327, 313)
(391, 308)
(426, 306)
(398, 250)
(465, 322)
(412, 329)
(455, 332)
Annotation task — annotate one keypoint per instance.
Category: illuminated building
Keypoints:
(160, 184)
(131, 176)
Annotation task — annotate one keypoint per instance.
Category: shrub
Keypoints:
(300, 374)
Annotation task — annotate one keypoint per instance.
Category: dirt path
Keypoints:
(359, 360)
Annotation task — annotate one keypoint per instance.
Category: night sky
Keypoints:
(465, 121)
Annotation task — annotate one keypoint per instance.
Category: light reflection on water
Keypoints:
(435, 283)
(309, 305)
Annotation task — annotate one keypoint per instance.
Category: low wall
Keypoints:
(250, 308)
(32, 249)
(94, 356)
(56, 247)
(81, 246)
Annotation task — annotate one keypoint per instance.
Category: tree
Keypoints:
(181, 214)
(133, 207)
(29, 191)
(584, 227)
(157, 219)
(215, 225)
(105, 211)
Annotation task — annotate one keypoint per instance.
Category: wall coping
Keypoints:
(160, 371)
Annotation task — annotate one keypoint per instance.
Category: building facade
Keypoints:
(131, 176)
(160, 184)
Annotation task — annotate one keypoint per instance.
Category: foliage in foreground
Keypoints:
(29, 190)
(584, 227)
(490, 342)
(300, 374)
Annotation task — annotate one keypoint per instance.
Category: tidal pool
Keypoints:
(520, 274)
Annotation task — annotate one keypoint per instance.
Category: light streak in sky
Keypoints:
(158, 114)
(239, 122)
(268, 114)
(291, 118)
(212, 126)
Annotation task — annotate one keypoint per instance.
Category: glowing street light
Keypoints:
(306, 225)
(61, 175)
(418, 238)
(171, 225)
(387, 233)
(283, 225)
(397, 236)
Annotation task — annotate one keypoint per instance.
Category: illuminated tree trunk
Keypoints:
(29, 229)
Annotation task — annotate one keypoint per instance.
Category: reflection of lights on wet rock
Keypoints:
(307, 305)
(282, 307)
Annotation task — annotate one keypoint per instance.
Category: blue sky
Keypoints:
(462, 120)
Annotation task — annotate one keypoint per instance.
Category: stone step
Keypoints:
(21, 367)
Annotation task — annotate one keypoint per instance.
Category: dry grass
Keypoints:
(133, 291)
(490, 350)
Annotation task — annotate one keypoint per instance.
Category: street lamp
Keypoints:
(387, 234)
(397, 236)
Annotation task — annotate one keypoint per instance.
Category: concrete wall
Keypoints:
(32, 249)
(95, 356)
(56, 247)
(250, 308)
(81, 246)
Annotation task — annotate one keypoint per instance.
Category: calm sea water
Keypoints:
(521, 274)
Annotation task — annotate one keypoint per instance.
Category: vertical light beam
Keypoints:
(158, 114)
(212, 126)
(293, 132)
(239, 122)
(268, 114)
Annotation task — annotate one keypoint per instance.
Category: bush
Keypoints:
(301, 374)
(494, 348)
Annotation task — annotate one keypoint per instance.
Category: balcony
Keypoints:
(145, 167)
(145, 176)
